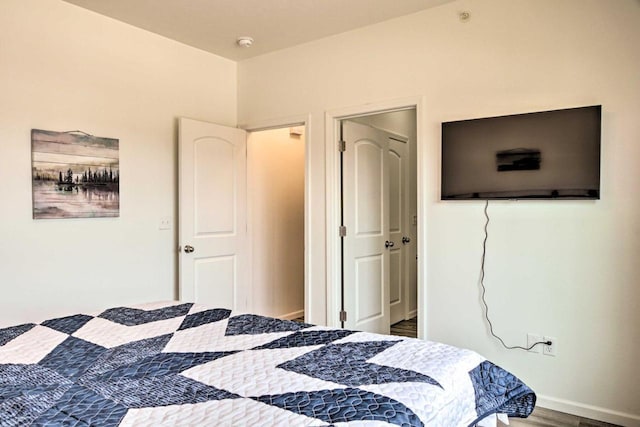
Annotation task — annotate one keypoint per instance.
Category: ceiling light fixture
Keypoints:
(244, 41)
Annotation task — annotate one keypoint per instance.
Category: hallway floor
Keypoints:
(406, 328)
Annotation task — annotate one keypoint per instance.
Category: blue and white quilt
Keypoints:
(179, 364)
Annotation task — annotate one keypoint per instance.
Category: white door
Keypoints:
(365, 210)
(214, 259)
(398, 226)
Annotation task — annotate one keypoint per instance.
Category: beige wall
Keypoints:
(566, 269)
(275, 179)
(64, 68)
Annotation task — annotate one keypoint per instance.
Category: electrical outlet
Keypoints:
(532, 339)
(550, 349)
(165, 223)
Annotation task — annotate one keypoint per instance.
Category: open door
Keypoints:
(214, 259)
(366, 253)
(398, 226)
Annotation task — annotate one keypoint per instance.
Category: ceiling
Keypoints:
(214, 25)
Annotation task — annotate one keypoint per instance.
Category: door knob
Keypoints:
(388, 244)
(188, 249)
(405, 240)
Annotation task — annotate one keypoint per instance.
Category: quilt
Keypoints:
(185, 364)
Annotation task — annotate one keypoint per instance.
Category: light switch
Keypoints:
(165, 223)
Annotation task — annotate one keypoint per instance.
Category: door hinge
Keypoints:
(343, 316)
(342, 230)
(342, 146)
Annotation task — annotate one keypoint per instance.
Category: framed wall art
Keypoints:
(74, 175)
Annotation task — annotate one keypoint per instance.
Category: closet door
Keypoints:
(367, 245)
(398, 227)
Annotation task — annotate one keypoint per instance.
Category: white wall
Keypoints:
(64, 68)
(275, 165)
(565, 269)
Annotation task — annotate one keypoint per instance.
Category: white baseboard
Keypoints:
(588, 411)
(412, 314)
(292, 315)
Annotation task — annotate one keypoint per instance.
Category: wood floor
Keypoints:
(406, 328)
(549, 418)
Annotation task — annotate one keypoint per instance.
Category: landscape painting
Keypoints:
(74, 175)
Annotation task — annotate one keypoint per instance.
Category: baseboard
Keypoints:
(588, 411)
(412, 314)
(292, 315)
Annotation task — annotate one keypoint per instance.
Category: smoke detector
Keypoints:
(244, 41)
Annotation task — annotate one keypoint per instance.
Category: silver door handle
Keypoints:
(388, 244)
(188, 249)
(405, 240)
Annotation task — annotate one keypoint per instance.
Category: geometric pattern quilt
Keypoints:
(178, 364)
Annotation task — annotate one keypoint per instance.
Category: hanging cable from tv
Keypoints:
(484, 290)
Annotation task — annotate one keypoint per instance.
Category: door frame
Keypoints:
(332, 186)
(298, 120)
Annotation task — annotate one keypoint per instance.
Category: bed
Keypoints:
(192, 365)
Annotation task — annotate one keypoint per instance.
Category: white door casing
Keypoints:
(212, 200)
(422, 151)
(366, 201)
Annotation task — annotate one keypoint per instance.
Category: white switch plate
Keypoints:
(534, 338)
(165, 223)
(550, 350)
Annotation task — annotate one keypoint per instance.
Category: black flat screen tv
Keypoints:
(543, 155)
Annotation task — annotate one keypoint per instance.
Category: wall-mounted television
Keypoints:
(543, 155)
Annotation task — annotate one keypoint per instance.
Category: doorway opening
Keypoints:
(276, 220)
(379, 222)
